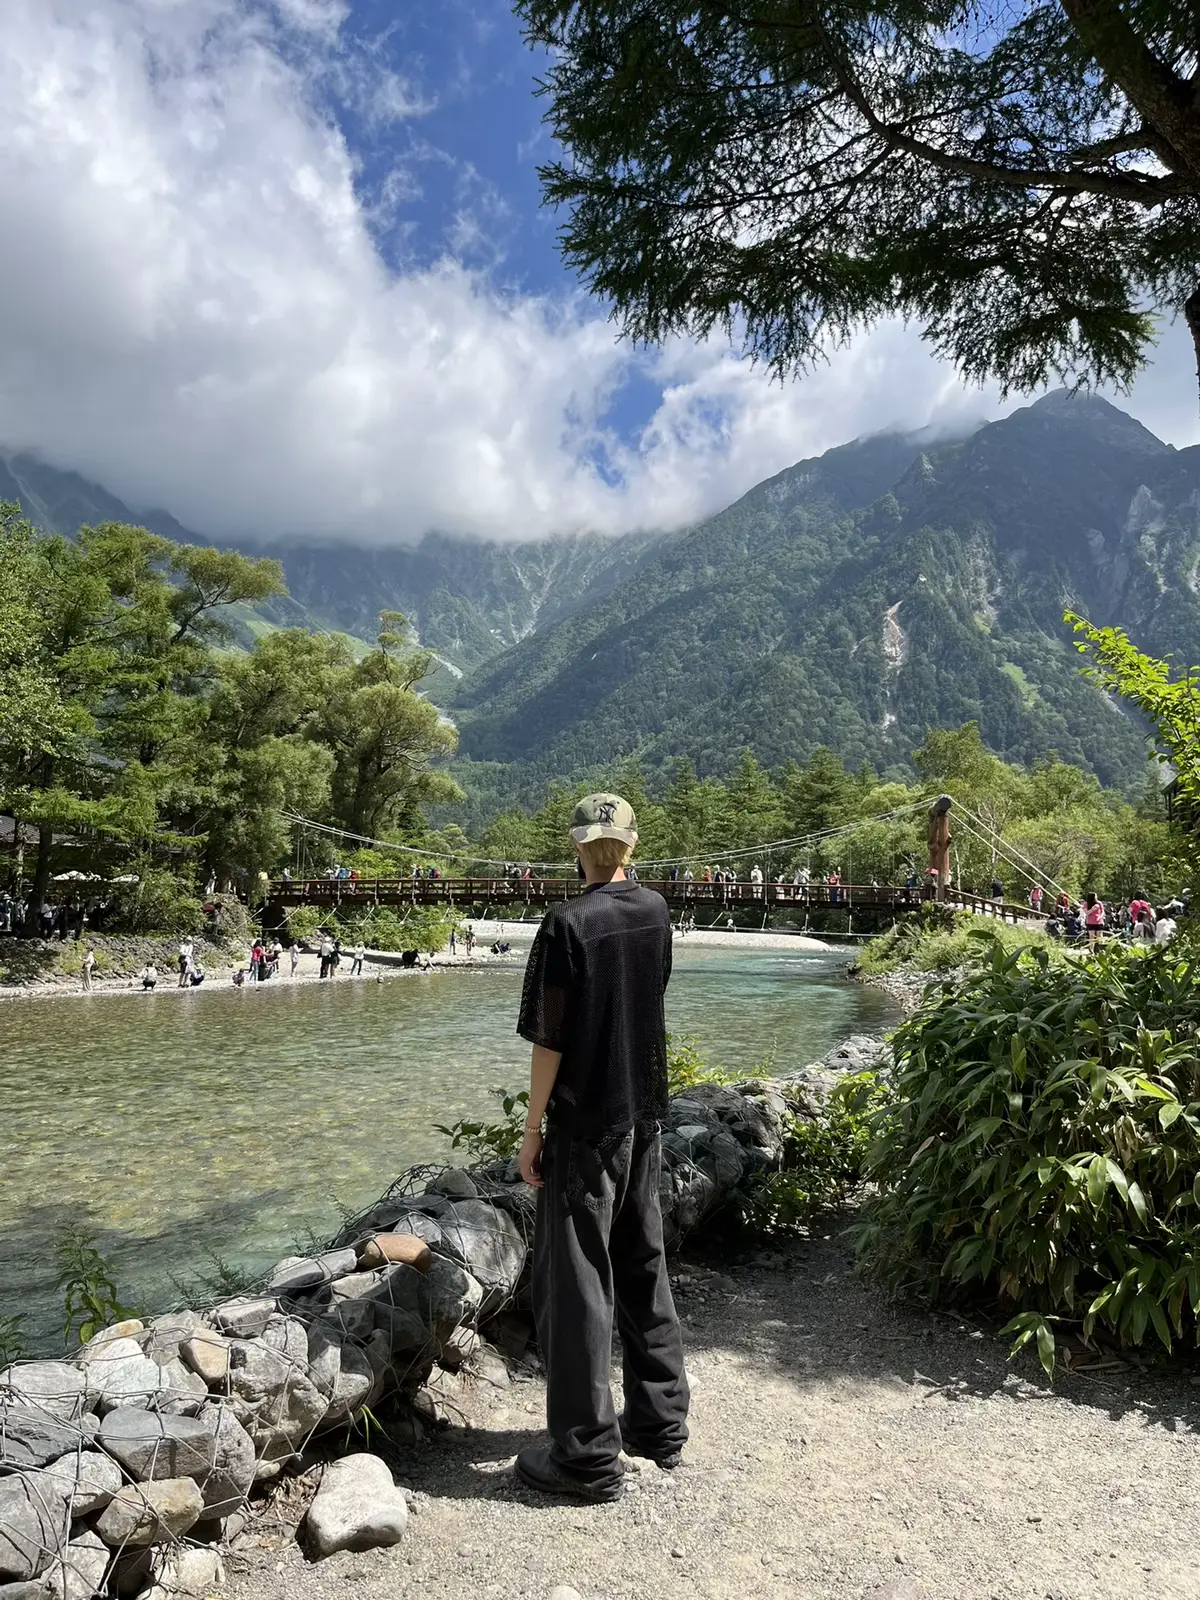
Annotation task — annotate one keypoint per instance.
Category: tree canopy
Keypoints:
(1022, 181)
(131, 731)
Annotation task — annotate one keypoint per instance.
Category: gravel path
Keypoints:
(842, 1447)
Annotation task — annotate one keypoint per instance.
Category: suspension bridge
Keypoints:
(870, 905)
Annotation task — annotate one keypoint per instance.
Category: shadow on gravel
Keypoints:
(815, 1321)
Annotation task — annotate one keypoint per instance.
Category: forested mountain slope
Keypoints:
(860, 600)
(468, 600)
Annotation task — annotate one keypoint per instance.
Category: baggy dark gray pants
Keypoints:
(598, 1248)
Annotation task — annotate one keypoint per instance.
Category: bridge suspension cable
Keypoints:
(798, 842)
(1013, 857)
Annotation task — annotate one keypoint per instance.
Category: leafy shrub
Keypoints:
(158, 903)
(12, 1340)
(491, 1141)
(90, 1297)
(939, 939)
(822, 1163)
(1040, 1145)
(686, 1067)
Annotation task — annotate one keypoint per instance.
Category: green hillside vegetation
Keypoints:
(891, 587)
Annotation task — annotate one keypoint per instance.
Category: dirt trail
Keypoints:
(842, 1447)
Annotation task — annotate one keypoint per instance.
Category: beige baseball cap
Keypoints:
(603, 816)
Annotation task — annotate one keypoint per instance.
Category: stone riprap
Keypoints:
(109, 1460)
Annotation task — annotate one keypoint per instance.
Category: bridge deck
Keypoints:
(463, 893)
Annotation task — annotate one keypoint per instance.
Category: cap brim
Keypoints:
(597, 830)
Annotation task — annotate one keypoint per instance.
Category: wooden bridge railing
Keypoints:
(528, 892)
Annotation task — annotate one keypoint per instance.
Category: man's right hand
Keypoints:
(529, 1158)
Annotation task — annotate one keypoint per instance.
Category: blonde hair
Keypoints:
(605, 855)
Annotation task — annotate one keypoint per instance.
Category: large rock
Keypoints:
(120, 1375)
(183, 1572)
(34, 1524)
(78, 1574)
(31, 1437)
(454, 1183)
(88, 1479)
(55, 1387)
(446, 1297)
(340, 1370)
(476, 1236)
(394, 1296)
(393, 1249)
(356, 1507)
(207, 1354)
(149, 1445)
(164, 1336)
(296, 1274)
(244, 1317)
(226, 1486)
(104, 1345)
(186, 1391)
(273, 1397)
(150, 1513)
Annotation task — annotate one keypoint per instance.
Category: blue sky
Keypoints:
(281, 268)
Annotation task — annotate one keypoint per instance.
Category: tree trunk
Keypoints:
(41, 871)
(1191, 312)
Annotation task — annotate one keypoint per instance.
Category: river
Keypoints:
(178, 1129)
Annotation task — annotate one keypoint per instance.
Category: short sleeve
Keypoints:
(545, 1016)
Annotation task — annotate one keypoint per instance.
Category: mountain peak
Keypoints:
(1080, 408)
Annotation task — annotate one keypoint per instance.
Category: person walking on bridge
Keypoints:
(592, 1008)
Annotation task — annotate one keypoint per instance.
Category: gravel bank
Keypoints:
(843, 1448)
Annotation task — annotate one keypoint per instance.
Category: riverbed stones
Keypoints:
(79, 1572)
(227, 1483)
(142, 1514)
(356, 1507)
(446, 1296)
(206, 1353)
(55, 1387)
(88, 1478)
(150, 1445)
(486, 1243)
(296, 1274)
(31, 1437)
(244, 1316)
(185, 1393)
(394, 1249)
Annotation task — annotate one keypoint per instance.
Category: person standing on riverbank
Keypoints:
(592, 1008)
(89, 963)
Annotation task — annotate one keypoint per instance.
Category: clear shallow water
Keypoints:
(227, 1123)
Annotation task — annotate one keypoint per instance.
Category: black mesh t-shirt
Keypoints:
(594, 991)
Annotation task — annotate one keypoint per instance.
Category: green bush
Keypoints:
(938, 939)
(158, 902)
(491, 1141)
(822, 1163)
(1040, 1145)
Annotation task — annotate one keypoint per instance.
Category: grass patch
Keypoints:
(939, 940)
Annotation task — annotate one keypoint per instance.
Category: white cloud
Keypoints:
(193, 311)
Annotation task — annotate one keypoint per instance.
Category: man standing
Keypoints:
(186, 951)
(592, 1008)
